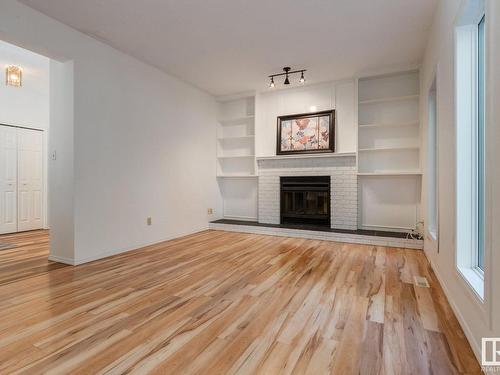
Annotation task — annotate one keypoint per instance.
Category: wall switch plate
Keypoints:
(148, 221)
(54, 155)
(210, 211)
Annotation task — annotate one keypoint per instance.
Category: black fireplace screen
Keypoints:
(305, 200)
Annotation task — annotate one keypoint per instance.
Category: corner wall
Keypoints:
(61, 170)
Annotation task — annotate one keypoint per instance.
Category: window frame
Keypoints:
(467, 156)
(433, 163)
(481, 152)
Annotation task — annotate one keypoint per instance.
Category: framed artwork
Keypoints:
(306, 133)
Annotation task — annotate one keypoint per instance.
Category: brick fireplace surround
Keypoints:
(343, 184)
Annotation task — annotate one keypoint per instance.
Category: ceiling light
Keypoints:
(287, 72)
(302, 80)
(13, 76)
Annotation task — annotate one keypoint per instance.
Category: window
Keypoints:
(481, 145)
(470, 147)
(432, 175)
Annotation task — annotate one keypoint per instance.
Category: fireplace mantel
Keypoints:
(308, 156)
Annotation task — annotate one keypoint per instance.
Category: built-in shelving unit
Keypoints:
(389, 173)
(236, 163)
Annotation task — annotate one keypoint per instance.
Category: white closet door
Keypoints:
(8, 179)
(29, 176)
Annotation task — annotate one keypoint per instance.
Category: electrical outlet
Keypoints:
(210, 211)
(148, 221)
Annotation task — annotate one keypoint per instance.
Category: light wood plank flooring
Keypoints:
(227, 303)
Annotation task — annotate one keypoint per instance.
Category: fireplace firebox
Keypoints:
(305, 200)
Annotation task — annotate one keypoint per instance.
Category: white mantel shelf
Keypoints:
(307, 156)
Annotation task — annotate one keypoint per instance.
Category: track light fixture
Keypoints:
(287, 73)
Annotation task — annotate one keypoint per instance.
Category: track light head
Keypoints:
(302, 80)
(271, 85)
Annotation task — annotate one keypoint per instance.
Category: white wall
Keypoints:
(143, 141)
(27, 105)
(326, 96)
(477, 319)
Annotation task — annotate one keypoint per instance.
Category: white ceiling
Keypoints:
(230, 46)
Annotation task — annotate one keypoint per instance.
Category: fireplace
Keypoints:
(305, 200)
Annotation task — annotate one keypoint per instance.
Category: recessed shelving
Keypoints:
(389, 99)
(388, 150)
(236, 166)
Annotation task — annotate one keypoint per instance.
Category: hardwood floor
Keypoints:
(219, 302)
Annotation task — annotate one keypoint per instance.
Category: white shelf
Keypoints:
(376, 149)
(391, 173)
(235, 121)
(236, 138)
(391, 99)
(235, 156)
(393, 125)
(237, 176)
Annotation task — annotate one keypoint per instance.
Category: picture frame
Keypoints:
(306, 133)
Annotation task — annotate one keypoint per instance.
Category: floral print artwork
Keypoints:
(286, 135)
(324, 132)
(305, 133)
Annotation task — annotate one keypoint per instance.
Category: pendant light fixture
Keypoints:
(287, 71)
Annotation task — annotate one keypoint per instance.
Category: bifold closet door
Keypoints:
(29, 177)
(8, 179)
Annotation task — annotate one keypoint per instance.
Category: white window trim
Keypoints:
(466, 116)
(434, 232)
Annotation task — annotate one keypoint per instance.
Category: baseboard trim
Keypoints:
(476, 347)
(58, 259)
(107, 254)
